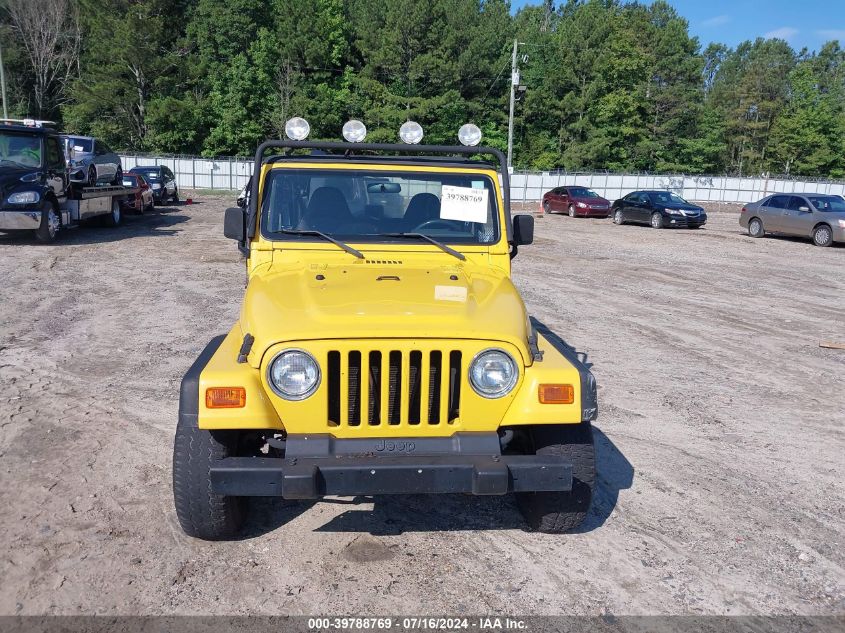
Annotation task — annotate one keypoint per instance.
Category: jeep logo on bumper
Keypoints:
(389, 446)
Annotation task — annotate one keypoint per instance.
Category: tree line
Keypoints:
(608, 84)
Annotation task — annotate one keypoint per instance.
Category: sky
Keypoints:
(802, 23)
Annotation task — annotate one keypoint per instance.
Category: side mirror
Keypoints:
(804, 209)
(234, 224)
(523, 229)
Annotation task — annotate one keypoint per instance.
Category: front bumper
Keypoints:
(684, 221)
(318, 465)
(20, 220)
(592, 213)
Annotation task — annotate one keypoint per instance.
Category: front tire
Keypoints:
(547, 208)
(92, 176)
(557, 512)
(617, 217)
(118, 178)
(822, 235)
(755, 228)
(656, 220)
(50, 224)
(201, 513)
(571, 211)
(176, 195)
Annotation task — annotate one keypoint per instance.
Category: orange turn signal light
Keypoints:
(225, 398)
(556, 394)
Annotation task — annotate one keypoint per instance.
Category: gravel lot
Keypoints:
(720, 437)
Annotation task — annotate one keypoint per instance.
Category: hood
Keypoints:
(681, 206)
(367, 300)
(10, 178)
(591, 201)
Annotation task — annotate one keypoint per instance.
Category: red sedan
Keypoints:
(577, 202)
(141, 201)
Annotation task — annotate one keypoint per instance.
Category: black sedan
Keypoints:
(660, 209)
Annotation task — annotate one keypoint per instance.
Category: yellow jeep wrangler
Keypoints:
(382, 347)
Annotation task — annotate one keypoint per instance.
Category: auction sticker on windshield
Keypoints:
(464, 204)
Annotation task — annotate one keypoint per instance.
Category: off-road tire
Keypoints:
(201, 513)
(571, 211)
(50, 223)
(755, 228)
(822, 235)
(656, 220)
(557, 512)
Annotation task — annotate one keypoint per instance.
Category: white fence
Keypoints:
(229, 174)
(529, 187)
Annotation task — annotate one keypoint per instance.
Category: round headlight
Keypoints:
(354, 131)
(411, 132)
(469, 135)
(297, 129)
(294, 374)
(493, 373)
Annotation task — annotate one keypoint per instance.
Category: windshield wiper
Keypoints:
(430, 240)
(328, 238)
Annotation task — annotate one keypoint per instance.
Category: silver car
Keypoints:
(817, 216)
(91, 161)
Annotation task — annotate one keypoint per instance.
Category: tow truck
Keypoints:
(35, 191)
(382, 347)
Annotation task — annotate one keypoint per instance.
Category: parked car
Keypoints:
(660, 209)
(143, 200)
(817, 216)
(577, 202)
(90, 161)
(162, 181)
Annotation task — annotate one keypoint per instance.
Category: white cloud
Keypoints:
(783, 33)
(832, 34)
(717, 20)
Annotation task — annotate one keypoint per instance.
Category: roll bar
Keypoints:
(348, 148)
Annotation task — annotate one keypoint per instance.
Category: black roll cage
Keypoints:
(349, 148)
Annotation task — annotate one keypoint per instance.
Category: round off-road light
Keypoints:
(354, 131)
(297, 129)
(469, 135)
(411, 132)
(493, 373)
(293, 374)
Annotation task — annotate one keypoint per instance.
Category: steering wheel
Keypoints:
(431, 224)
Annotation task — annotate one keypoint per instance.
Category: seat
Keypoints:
(327, 210)
(422, 208)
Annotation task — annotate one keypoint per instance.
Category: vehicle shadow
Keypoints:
(158, 223)
(393, 515)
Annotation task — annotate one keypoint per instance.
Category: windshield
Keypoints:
(667, 197)
(366, 205)
(582, 192)
(20, 149)
(832, 204)
(149, 174)
(78, 145)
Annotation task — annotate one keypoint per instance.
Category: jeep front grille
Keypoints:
(393, 387)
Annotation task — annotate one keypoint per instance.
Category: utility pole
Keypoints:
(514, 84)
(3, 85)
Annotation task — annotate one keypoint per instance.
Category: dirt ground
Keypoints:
(720, 437)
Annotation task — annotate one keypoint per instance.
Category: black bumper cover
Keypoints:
(455, 469)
